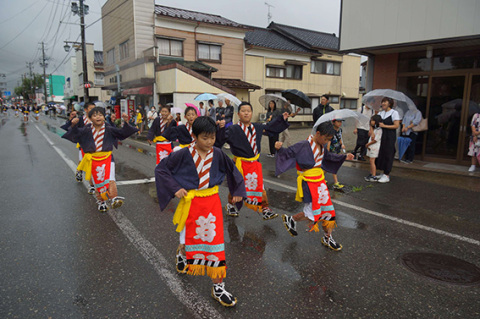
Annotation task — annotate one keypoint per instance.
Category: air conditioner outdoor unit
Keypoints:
(263, 116)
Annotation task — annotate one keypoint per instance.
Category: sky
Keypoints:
(25, 24)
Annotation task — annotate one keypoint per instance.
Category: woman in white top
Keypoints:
(151, 116)
(391, 121)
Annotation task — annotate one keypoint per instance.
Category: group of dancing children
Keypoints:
(194, 170)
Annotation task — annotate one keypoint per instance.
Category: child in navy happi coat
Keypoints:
(162, 133)
(245, 139)
(97, 140)
(194, 174)
(310, 158)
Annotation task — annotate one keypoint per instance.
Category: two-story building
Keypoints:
(282, 57)
(170, 55)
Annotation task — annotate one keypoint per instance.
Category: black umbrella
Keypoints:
(298, 98)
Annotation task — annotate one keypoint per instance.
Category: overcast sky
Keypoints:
(24, 24)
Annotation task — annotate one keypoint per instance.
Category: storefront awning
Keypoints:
(145, 90)
(69, 98)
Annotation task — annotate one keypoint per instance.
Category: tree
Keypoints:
(29, 85)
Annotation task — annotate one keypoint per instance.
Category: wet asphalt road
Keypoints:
(60, 258)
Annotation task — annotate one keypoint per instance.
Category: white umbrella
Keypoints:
(175, 110)
(61, 106)
(279, 100)
(100, 104)
(77, 107)
(401, 102)
(340, 115)
(231, 98)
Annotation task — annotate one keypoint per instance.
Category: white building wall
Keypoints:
(371, 23)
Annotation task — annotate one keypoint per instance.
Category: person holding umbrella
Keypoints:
(412, 118)
(271, 114)
(391, 121)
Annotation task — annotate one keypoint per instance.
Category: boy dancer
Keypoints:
(245, 139)
(184, 133)
(310, 157)
(82, 121)
(193, 174)
(162, 132)
(97, 140)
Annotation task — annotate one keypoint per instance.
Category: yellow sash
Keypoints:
(86, 163)
(303, 176)
(184, 145)
(183, 208)
(160, 139)
(238, 161)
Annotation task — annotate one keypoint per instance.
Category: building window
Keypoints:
(211, 52)
(348, 104)
(334, 99)
(170, 47)
(275, 71)
(99, 78)
(123, 48)
(326, 67)
(111, 56)
(293, 71)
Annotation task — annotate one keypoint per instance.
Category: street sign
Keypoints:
(7, 93)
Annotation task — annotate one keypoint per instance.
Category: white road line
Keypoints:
(187, 295)
(136, 181)
(395, 219)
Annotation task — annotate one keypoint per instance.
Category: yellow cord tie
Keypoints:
(183, 208)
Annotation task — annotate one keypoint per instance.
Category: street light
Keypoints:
(66, 47)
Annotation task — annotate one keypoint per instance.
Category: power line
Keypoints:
(21, 32)
(23, 11)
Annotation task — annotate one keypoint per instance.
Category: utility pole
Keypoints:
(84, 52)
(30, 65)
(44, 64)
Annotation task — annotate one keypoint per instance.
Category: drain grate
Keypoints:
(442, 268)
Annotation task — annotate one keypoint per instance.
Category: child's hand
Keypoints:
(278, 145)
(75, 121)
(350, 157)
(381, 125)
(181, 193)
(236, 199)
(286, 115)
(125, 117)
(343, 146)
(355, 131)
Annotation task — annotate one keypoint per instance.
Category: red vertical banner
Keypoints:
(131, 109)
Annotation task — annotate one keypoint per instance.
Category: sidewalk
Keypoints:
(299, 133)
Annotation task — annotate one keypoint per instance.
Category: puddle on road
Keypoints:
(23, 129)
(348, 221)
(54, 129)
(284, 200)
(128, 172)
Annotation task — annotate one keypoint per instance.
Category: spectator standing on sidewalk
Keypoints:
(271, 114)
(284, 136)
(322, 108)
(474, 146)
(391, 121)
(362, 133)
(151, 116)
(410, 119)
(336, 146)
